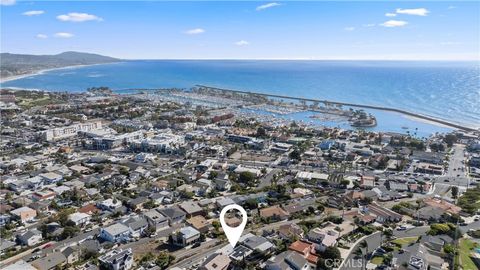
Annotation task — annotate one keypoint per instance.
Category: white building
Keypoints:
(80, 219)
(117, 260)
(70, 131)
(115, 233)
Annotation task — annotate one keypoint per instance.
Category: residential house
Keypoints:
(43, 195)
(367, 181)
(323, 237)
(156, 220)
(30, 238)
(274, 213)
(115, 233)
(203, 186)
(72, 254)
(445, 206)
(51, 177)
(306, 249)
(290, 231)
(258, 243)
(109, 204)
(200, 224)
(80, 219)
(19, 265)
(221, 203)
(418, 257)
(88, 209)
(117, 260)
(216, 261)
(174, 214)
(191, 208)
(240, 253)
(50, 261)
(137, 203)
(222, 184)
(24, 213)
(382, 214)
(186, 236)
(288, 260)
(137, 225)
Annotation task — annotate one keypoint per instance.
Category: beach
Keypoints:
(40, 72)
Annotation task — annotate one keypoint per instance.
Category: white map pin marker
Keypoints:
(233, 233)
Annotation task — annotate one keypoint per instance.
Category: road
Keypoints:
(197, 255)
(374, 241)
(267, 179)
(456, 164)
(455, 174)
(474, 225)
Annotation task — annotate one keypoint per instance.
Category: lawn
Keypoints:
(377, 260)
(466, 247)
(405, 240)
(45, 100)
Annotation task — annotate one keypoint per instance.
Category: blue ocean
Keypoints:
(446, 90)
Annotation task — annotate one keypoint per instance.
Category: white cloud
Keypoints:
(33, 12)
(451, 7)
(390, 14)
(41, 36)
(63, 35)
(394, 23)
(195, 31)
(413, 11)
(78, 17)
(242, 43)
(368, 25)
(349, 28)
(269, 5)
(7, 2)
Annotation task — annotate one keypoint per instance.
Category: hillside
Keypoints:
(20, 64)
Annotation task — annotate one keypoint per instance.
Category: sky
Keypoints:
(377, 30)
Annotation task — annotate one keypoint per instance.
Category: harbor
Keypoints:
(329, 102)
(281, 113)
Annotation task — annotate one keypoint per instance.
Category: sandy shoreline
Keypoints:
(42, 71)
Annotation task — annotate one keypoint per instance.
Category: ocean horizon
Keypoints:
(448, 90)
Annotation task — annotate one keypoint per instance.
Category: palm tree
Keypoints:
(363, 248)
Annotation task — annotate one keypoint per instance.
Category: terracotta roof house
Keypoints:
(306, 249)
(88, 209)
(274, 212)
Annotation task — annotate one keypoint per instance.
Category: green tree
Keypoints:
(251, 203)
(454, 192)
(247, 178)
(295, 155)
(450, 139)
(69, 231)
(261, 132)
(164, 259)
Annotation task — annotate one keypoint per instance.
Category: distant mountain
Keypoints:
(20, 64)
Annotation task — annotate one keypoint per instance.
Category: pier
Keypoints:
(329, 102)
